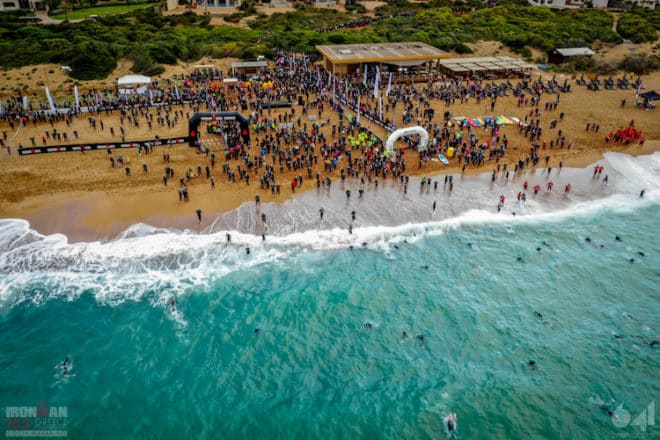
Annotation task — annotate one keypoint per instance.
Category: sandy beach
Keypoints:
(81, 196)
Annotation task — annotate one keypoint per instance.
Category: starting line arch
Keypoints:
(407, 131)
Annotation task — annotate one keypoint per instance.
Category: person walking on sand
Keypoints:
(199, 215)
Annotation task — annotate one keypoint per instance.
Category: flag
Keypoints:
(389, 85)
(151, 97)
(376, 82)
(98, 100)
(358, 110)
(25, 103)
(176, 92)
(381, 108)
(75, 94)
(639, 88)
(51, 103)
(0, 107)
(364, 79)
(318, 82)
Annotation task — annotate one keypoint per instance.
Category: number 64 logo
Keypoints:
(621, 417)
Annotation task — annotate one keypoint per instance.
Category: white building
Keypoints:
(576, 4)
(9, 5)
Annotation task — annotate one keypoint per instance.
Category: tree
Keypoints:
(66, 8)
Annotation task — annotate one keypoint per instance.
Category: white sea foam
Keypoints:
(163, 263)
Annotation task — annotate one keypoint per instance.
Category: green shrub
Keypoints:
(640, 64)
(636, 28)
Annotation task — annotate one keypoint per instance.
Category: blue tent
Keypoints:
(651, 96)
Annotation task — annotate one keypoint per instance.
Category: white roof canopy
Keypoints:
(133, 80)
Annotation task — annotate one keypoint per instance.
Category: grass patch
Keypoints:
(102, 11)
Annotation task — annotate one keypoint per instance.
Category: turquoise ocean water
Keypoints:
(467, 278)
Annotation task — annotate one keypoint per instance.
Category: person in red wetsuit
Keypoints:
(567, 189)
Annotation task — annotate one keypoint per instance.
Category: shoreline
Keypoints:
(85, 216)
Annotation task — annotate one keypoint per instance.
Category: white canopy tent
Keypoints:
(133, 83)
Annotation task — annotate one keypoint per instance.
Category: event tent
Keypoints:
(133, 81)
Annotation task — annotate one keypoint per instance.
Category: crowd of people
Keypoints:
(329, 130)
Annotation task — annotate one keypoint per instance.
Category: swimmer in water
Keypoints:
(652, 343)
(247, 250)
(263, 237)
(545, 243)
(532, 363)
(350, 228)
(632, 260)
(519, 259)
(641, 194)
(641, 254)
(257, 330)
(404, 335)
(617, 238)
(426, 267)
(172, 305)
(451, 425)
(538, 249)
(368, 325)
(420, 337)
(321, 212)
(65, 367)
(396, 246)
(470, 245)
(588, 240)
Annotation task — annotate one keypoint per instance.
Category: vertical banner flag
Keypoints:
(25, 103)
(358, 110)
(151, 97)
(75, 94)
(364, 78)
(381, 108)
(377, 82)
(51, 103)
(389, 85)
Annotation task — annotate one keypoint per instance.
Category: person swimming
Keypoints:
(420, 337)
(257, 330)
(588, 240)
(450, 420)
(368, 325)
(545, 243)
(641, 254)
(519, 259)
(65, 367)
(247, 250)
(617, 238)
(532, 363)
(404, 335)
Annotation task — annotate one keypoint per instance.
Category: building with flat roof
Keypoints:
(416, 58)
(563, 55)
(9, 5)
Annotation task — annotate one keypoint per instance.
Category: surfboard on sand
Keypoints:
(443, 159)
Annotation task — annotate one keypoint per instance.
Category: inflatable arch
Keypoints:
(194, 121)
(407, 131)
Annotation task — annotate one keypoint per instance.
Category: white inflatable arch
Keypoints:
(407, 131)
